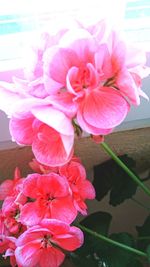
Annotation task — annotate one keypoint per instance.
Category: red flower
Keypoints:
(51, 198)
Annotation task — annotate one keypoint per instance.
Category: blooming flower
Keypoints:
(83, 75)
(50, 198)
(44, 244)
(81, 188)
(51, 145)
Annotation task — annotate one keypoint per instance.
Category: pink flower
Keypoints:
(49, 132)
(81, 188)
(85, 74)
(81, 64)
(44, 244)
(11, 187)
(50, 198)
(11, 211)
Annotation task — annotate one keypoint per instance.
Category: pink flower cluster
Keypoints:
(37, 212)
(81, 79)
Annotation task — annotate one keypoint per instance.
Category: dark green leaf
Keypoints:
(98, 253)
(109, 176)
(135, 263)
(144, 232)
(98, 222)
(119, 257)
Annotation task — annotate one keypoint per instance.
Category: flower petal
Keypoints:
(48, 147)
(28, 255)
(21, 129)
(51, 257)
(63, 209)
(54, 118)
(105, 109)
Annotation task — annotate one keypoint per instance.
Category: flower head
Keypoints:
(45, 243)
(50, 198)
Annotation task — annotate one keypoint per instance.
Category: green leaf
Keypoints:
(98, 222)
(109, 176)
(118, 257)
(144, 232)
(98, 253)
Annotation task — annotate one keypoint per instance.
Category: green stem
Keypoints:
(126, 169)
(140, 204)
(113, 242)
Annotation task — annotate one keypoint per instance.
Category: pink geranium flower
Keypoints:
(44, 244)
(49, 132)
(50, 198)
(81, 188)
(87, 75)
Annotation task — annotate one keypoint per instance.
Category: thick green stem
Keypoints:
(113, 242)
(126, 169)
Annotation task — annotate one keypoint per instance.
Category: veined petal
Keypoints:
(71, 240)
(49, 149)
(105, 108)
(21, 130)
(90, 128)
(28, 255)
(57, 62)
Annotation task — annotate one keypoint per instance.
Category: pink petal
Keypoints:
(63, 209)
(105, 109)
(51, 257)
(21, 130)
(90, 128)
(128, 87)
(86, 190)
(48, 147)
(80, 41)
(57, 61)
(6, 189)
(31, 214)
(8, 97)
(29, 254)
(30, 186)
(53, 184)
(64, 102)
(54, 118)
(55, 226)
(51, 86)
(72, 240)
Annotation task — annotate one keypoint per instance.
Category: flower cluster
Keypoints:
(81, 79)
(37, 212)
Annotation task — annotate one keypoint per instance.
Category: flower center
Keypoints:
(46, 242)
